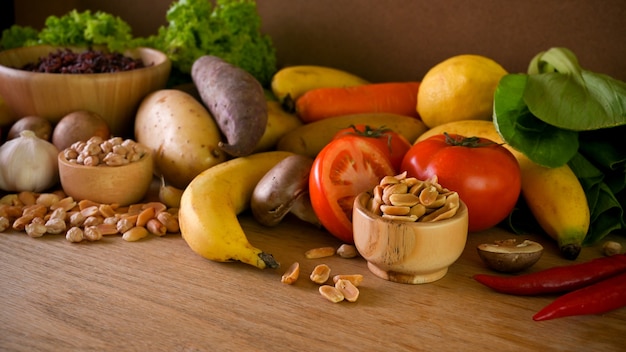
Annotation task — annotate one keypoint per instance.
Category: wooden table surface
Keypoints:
(158, 295)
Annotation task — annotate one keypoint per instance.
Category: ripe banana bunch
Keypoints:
(554, 195)
(291, 82)
(211, 202)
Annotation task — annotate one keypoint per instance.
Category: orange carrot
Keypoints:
(391, 97)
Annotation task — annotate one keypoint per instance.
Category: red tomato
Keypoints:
(344, 168)
(484, 174)
(393, 144)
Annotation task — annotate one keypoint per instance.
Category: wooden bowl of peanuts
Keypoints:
(409, 231)
(113, 171)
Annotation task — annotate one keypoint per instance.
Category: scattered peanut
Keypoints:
(348, 290)
(320, 274)
(321, 252)
(169, 220)
(135, 234)
(331, 293)
(610, 248)
(400, 198)
(291, 275)
(355, 279)
(347, 251)
(155, 227)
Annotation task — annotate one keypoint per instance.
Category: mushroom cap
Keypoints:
(509, 256)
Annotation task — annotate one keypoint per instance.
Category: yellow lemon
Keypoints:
(459, 88)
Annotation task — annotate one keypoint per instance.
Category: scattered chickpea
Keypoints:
(34, 229)
(112, 152)
(74, 235)
(92, 233)
(5, 224)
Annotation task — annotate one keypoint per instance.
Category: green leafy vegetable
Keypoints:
(560, 114)
(17, 36)
(549, 145)
(562, 94)
(556, 99)
(74, 29)
(86, 29)
(231, 31)
(607, 215)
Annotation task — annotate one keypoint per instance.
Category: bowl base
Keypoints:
(405, 278)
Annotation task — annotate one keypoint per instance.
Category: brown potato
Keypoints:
(181, 134)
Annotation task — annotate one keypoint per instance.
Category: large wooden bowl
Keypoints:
(408, 252)
(123, 185)
(114, 96)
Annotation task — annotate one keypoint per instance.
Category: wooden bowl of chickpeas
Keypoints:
(113, 171)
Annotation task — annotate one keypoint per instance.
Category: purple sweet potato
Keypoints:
(235, 99)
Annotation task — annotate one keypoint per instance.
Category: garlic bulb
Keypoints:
(28, 163)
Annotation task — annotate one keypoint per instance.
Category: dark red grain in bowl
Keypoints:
(114, 96)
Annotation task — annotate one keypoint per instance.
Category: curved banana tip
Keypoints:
(570, 251)
(269, 260)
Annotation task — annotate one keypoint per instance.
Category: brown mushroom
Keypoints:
(510, 256)
(283, 190)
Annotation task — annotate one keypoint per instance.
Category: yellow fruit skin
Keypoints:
(554, 195)
(279, 123)
(459, 88)
(310, 138)
(211, 202)
(293, 81)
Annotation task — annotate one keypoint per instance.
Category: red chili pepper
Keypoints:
(556, 279)
(601, 297)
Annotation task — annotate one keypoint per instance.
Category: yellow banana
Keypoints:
(310, 138)
(291, 82)
(554, 195)
(211, 202)
(279, 122)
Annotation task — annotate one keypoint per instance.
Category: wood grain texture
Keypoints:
(157, 295)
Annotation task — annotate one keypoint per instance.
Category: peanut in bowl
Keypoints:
(411, 252)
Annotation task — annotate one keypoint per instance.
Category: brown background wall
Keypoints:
(400, 39)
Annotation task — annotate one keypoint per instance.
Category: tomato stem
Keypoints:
(469, 142)
(370, 132)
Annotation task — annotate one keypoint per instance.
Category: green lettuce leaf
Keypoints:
(543, 143)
